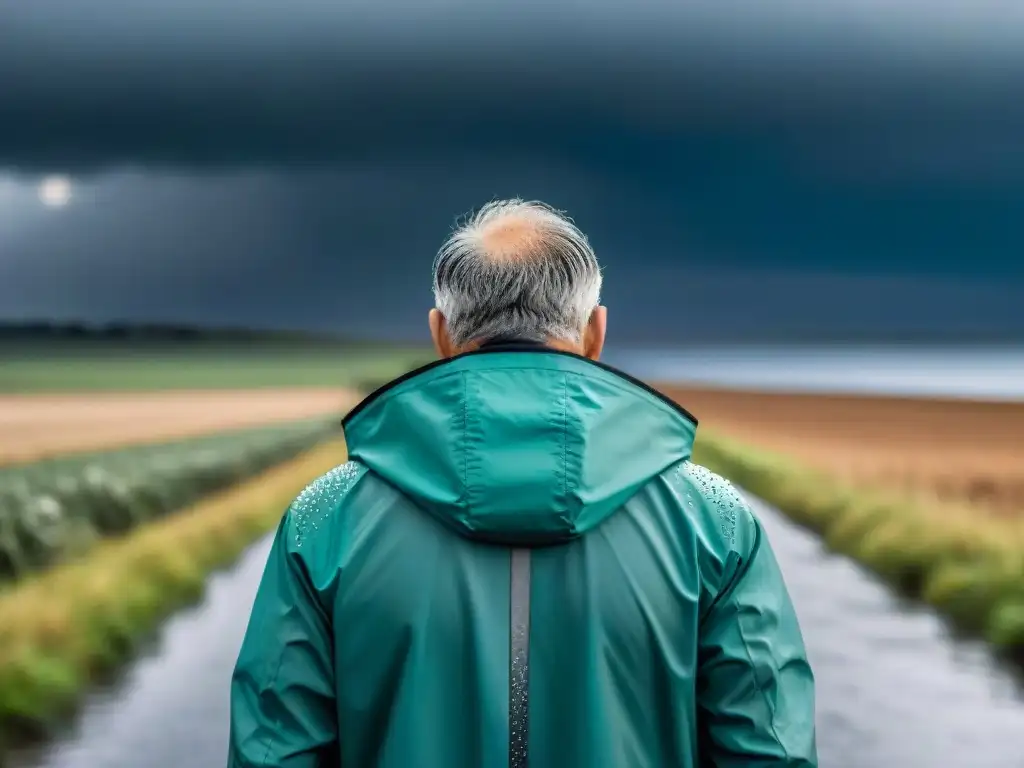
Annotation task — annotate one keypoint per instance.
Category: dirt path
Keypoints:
(34, 426)
(955, 449)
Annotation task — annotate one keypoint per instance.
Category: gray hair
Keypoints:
(516, 269)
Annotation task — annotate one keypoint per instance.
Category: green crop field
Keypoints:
(56, 508)
(65, 366)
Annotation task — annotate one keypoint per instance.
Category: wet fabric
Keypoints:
(392, 626)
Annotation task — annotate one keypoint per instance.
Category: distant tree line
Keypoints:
(42, 330)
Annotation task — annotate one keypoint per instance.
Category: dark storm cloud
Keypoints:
(640, 83)
(297, 163)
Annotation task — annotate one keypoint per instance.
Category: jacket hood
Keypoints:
(518, 444)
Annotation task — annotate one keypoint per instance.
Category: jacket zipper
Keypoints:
(519, 659)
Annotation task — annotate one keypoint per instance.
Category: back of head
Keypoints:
(516, 269)
(525, 443)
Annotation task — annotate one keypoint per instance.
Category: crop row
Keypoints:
(54, 509)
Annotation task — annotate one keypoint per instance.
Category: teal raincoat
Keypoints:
(521, 566)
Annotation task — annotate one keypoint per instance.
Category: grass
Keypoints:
(126, 365)
(71, 626)
(966, 563)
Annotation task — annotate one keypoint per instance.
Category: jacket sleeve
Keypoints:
(755, 689)
(283, 711)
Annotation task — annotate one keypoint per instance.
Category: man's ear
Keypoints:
(439, 334)
(594, 335)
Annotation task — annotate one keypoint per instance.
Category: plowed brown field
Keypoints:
(35, 426)
(956, 450)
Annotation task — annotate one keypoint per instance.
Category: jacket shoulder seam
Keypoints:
(717, 492)
(321, 497)
(737, 578)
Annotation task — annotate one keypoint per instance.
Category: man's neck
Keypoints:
(557, 344)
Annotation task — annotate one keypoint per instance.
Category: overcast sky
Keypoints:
(854, 164)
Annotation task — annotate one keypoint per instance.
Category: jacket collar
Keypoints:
(512, 344)
(500, 342)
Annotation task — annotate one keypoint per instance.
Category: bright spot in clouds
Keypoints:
(55, 191)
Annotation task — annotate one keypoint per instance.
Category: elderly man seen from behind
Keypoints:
(520, 565)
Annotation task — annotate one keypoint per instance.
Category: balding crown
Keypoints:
(512, 238)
